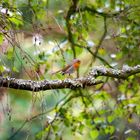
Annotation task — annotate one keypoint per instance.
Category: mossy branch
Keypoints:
(89, 80)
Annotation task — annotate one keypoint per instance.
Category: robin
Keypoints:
(71, 68)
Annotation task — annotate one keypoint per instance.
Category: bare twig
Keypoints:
(102, 37)
(71, 11)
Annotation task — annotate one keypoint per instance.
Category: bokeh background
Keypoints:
(38, 37)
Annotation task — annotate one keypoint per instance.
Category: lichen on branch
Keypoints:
(82, 82)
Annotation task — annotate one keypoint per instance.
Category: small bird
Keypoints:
(71, 68)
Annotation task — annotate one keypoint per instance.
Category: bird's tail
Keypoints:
(52, 73)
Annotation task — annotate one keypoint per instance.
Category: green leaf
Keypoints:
(81, 127)
(1, 68)
(110, 118)
(55, 128)
(130, 138)
(15, 69)
(10, 54)
(109, 129)
(1, 39)
(99, 120)
(17, 21)
(94, 134)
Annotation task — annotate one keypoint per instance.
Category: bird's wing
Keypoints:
(62, 70)
(69, 70)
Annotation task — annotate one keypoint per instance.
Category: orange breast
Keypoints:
(76, 65)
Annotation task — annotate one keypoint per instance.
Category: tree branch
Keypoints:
(47, 84)
(71, 11)
(82, 82)
(115, 73)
